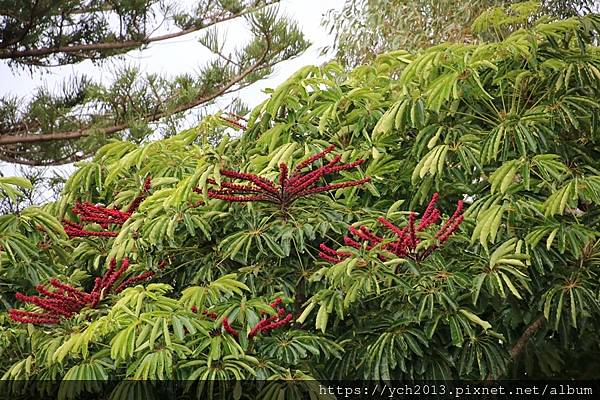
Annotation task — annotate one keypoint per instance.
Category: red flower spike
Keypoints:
(329, 258)
(301, 182)
(140, 197)
(66, 301)
(312, 159)
(26, 317)
(72, 302)
(102, 216)
(411, 231)
(348, 241)
(430, 207)
(278, 324)
(399, 232)
(276, 302)
(370, 235)
(327, 249)
(111, 269)
(272, 322)
(405, 245)
(283, 175)
(135, 279)
(287, 188)
(230, 198)
(228, 328)
(333, 253)
(448, 223)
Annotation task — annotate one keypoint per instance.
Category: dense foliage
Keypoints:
(366, 28)
(494, 276)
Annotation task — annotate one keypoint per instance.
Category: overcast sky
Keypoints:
(185, 54)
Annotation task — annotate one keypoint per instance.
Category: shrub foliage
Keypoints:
(238, 290)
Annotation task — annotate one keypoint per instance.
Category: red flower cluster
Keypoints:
(289, 187)
(272, 322)
(102, 216)
(209, 314)
(405, 245)
(66, 301)
(229, 329)
(265, 325)
(140, 197)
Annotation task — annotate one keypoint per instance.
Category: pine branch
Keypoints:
(48, 137)
(123, 45)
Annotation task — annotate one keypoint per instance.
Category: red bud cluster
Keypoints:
(405, 245)
(140, 197)
(272, 322)
(210, 314)
(288, 187)
(263, 326)
(65, 300)
(102, 216)
(228, 328)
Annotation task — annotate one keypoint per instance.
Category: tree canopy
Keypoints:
(366, 28)
(51, 128)
(425, 216)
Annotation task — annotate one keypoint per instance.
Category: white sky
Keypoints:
(185, 54)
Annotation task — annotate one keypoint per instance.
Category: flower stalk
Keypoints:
(64, 301)
(406, 241)
(288, 187)
(105, 217)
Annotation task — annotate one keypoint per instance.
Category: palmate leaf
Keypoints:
(328, 300)
(569, 297)
(509, 126)
(482, 356)
(209, 379)
(37, 219)
(549, 167)
(83, 378)
(11, 186)
(202, 296)
(433, 163)
(561, 199)
(17, 247)
(394, 349)
(462, 325)
(505, 269)
(305, 386)
(504, 176)
(488, 224)
(562, 236)
(293, 346)
(155, 365)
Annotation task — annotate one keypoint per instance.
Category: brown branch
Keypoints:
(521, 342)
(47, 137)
(33, 163)
(127, 44)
